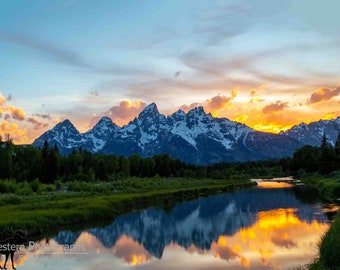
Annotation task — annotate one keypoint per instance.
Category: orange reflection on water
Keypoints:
(19, 259)
(222, 250)
(275, 234)
(130, 251)
(273, 184)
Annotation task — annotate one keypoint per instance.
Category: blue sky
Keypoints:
(269, 64)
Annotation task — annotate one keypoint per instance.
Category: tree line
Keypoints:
(28, 163)
(323, 159)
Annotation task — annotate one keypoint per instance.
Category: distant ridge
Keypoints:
(194, 137)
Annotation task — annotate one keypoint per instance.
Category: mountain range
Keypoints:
(194, 137)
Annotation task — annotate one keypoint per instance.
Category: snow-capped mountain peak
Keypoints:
(312, 133)
(195, 137)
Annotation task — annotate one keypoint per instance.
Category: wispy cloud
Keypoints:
(36, 123)
(44, 116)
(69, 56)
(49, 49)
(255, 98)
(220, 21)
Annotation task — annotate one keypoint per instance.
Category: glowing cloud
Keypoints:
(16, 134)
(187, 108)
(254, 97)
(2, 100)
(274, 107)
(214, 104)
(218, 102)
(122, 113)
(328, 116)
(17, 113)
(324, 94)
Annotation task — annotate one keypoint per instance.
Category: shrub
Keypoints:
(24, 188)
(35, 185)
(79, 186)
(8, 186)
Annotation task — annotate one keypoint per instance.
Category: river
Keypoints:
(272, 226)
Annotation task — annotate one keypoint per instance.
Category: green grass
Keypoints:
(329, 188)
(84, 203)
(329, 247)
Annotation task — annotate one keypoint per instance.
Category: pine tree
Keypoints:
(326, 157)
(337, 151)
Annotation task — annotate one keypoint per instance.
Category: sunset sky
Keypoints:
(268, 64)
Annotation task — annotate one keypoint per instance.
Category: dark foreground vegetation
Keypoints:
(42, 190)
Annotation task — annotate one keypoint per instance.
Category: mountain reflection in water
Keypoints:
(260, 228)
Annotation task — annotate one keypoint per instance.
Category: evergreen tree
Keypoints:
(326, 157)
(49, 163)
(101, 170)
(124, 166)
(6, 156)
(337, 151)
(135, 165)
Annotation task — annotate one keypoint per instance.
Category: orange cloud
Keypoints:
(225, 252)
(122, 113)
(323, 94)
(187, 108)
(218, 102)
(241, 118)
(2, 100)
(254, 97)
(16, 134)
(274, 107)
(329, 116)
(12, 115)
(214, 104)
(17, 113)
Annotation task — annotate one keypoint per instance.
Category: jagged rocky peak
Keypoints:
(65, 125)
(177, 116)
(105, 123)
(194, 137)
(197, 111)
(105, 120)
(150, 110)
(150, 116)
(197, 116)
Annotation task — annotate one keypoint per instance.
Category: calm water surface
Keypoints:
(268, 227)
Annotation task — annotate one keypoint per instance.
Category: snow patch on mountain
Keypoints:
(195, 137)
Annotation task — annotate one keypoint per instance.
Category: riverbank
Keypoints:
(329, 246)
(81, 204)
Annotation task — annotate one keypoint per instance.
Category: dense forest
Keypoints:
(27, 163)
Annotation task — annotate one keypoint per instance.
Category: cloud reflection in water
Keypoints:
(250, 229)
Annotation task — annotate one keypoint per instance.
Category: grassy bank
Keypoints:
(81, 203)
(329, 188)
(329, 247)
